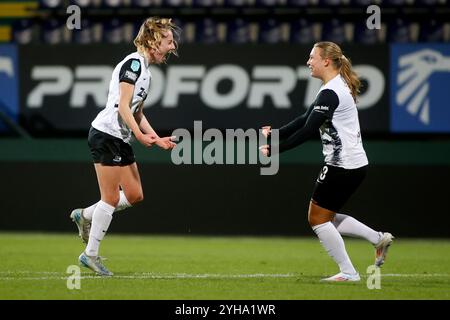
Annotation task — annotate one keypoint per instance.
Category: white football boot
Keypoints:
(95, 264)
(341, 277)
(84, 225)
(381, 248)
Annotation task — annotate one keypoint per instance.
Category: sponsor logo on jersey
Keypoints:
(135, 65)
(419, 88)
(130, 75)
(321, 108)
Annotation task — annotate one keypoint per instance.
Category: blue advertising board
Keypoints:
(420, 88)
(9, 76)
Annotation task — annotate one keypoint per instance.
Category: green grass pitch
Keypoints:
(33, 266)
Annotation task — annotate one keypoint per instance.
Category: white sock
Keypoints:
(349, 226)
(100, 223)
(89, 211)
(123, 204)
(334, 244)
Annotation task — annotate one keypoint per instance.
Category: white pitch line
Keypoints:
(44, 275)
(29, 272)
(141, 276)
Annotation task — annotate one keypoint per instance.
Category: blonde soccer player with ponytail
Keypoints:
(111, 133)
(335, 116)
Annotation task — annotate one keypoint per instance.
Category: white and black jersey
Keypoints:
(134, 69)
(335, 115)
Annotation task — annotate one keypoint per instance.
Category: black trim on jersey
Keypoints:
(288, 129)
(326, 102)
(129, 75)
(304, 126)
(312, 125)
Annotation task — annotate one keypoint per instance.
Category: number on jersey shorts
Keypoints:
(323, 174)
(335, 185)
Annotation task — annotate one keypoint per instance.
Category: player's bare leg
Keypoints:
(108, 180)
(131, 193)
(130, 181)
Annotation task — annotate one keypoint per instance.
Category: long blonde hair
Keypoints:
(332, 51)
(152, 31)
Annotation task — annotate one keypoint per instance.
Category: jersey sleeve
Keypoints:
(311, 127)
(296, 124)
(326, 103)
(305, 126)
(130, 71)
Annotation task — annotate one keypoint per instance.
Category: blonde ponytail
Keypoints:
(350, 77)
(332, 51)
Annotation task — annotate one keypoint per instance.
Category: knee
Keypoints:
(139, 197)
(318, 215)
(136, 197)
(315, 220)
(311, 219)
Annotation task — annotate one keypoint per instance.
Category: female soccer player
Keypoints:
(111, 132)
(334, 114)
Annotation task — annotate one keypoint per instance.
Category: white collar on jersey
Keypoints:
(338, 76)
